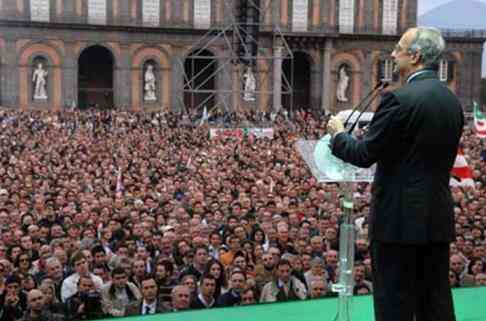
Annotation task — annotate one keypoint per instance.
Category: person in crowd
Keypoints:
(70, 285)
(317, 271)
(458, 266)
(38, 310)
(86, 302)
(171, 189)
(181, 298)
(233, 296)
(149, 303)
(119, 293)
(14, 299)
(317, 288)
(51, 300)
(264, 271)
(199, 265)
(249, 296)
(164, 275)
(284, 287)
(205, 297)
(359, 278)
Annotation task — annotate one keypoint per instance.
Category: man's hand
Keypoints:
(335, 126)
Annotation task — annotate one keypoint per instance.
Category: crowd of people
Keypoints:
(107, 214)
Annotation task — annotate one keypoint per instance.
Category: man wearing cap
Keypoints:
(3, 197)
(15, 300)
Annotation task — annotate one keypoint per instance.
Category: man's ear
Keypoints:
(416, 57)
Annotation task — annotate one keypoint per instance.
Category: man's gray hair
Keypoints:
(430, 43)
(53, 260)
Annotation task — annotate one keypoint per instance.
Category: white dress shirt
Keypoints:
(70, 285)
(149, 308)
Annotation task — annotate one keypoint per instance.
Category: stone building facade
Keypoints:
(99, 50)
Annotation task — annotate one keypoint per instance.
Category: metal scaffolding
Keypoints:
(226, 56)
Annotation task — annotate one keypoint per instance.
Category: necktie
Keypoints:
(147, 309)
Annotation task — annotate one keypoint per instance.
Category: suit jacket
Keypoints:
(136, 308)
(45, 316)
(197, 303)
(228, 299)
(413, 138)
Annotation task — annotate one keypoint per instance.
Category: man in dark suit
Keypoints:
(205, 297)
(413, 138)
(149, 303)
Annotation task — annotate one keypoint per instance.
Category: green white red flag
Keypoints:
(461, 174)
(479, 121)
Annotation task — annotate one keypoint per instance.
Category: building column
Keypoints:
(326, 77)
(122, 82)
(10, 76)
(277, 77)
(223, 80)
(236, 87)
(367, 73)
(70, 77)
(178, 74)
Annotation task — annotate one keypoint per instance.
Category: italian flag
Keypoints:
(479, 122)
(461, 174)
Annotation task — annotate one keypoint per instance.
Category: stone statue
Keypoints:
(250, 85)
(149, 87)
(39, 79)
(343, 84)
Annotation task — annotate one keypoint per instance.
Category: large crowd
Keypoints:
(108, 213)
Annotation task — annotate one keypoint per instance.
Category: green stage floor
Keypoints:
(470, 305)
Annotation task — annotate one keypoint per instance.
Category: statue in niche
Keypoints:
(149, 87)
(343, 84)
(39, 78)
(250, 85)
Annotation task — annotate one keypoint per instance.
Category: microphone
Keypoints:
(380, 83)
(373, 97)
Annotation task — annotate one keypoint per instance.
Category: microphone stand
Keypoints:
(347, 230)
(375, 92)
(360, 104)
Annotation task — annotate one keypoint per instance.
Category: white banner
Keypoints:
(202, 14)
(300, 15)
(97, 12)
(39, 10)
(151, 13)
(241, 132)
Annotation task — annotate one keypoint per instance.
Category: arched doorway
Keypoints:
(95, 78)
(200, 80)
(297, 72)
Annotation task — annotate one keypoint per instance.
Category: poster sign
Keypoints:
(97, 12)
(39, 10)
(202, 14)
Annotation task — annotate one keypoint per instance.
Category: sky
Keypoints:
(426, 5)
